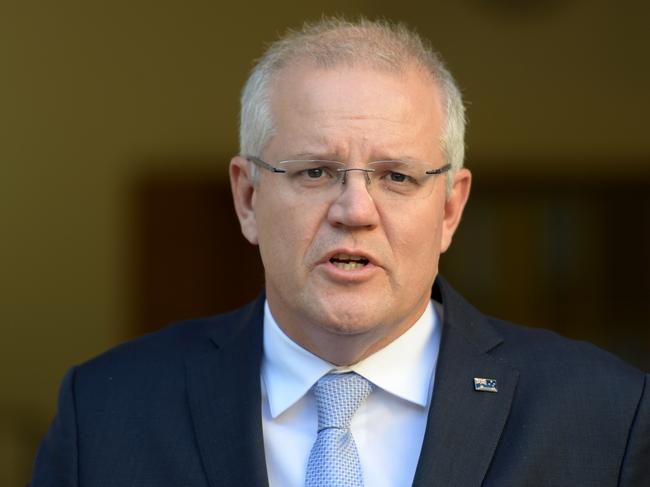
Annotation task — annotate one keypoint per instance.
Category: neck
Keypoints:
(341, 347)
(342, 350)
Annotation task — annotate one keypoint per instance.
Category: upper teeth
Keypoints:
(355, 258)
(347, 261)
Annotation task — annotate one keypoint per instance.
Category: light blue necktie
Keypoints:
(334, 460)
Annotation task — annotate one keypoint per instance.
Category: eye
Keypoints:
(315, 173)
(311, 173)
(398, 177)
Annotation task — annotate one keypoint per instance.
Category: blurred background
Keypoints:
(118, 119)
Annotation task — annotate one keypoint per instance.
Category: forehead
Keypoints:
(342, 109)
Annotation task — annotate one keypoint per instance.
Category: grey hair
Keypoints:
(332, 42)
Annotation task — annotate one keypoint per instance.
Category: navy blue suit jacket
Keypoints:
(182, 407)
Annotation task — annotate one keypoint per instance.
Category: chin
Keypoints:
(347, 319)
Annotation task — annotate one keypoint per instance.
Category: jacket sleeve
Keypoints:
(56, 462)
(635, 470)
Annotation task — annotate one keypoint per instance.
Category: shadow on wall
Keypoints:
(189, 258)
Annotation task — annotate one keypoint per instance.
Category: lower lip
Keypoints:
(359, 274)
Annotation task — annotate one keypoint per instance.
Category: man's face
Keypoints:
(355, 115)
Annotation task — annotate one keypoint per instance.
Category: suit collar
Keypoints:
(461, 317)
(464, 425)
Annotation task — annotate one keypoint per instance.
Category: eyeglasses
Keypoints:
(384, 179)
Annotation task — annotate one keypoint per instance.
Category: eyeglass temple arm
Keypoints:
(440, 170)
(265, 165)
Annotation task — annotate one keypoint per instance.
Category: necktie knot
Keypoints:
(338, 396)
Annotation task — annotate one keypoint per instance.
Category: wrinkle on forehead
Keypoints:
(331, 145)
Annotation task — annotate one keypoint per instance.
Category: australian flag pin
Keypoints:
(485, 385)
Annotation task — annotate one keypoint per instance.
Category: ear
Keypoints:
(454, 206)
(243, 194)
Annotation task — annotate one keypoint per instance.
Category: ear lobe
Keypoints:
(454, 206)
(243, 194)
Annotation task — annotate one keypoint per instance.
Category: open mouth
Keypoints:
(348, 262)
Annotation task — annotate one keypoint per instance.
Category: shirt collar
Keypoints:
(404, 368)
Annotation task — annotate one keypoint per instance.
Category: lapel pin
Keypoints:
(485, 385)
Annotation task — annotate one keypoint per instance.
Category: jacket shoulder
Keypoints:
(162, 354)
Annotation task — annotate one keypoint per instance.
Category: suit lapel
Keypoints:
(223, 389)
(464, 425)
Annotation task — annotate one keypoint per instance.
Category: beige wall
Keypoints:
(94, 93)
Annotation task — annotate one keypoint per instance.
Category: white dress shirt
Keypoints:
(388, 427)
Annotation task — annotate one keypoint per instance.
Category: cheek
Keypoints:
(269, 217)
(286, 231)
(421, 220)
(416, 240)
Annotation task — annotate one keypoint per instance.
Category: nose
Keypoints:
(354, 206)
(365, 172)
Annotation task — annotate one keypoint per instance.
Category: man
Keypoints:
(359, 365)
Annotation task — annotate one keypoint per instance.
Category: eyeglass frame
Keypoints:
(265, 165)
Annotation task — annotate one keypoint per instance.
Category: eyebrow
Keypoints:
(321, 156)
(334, 156)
